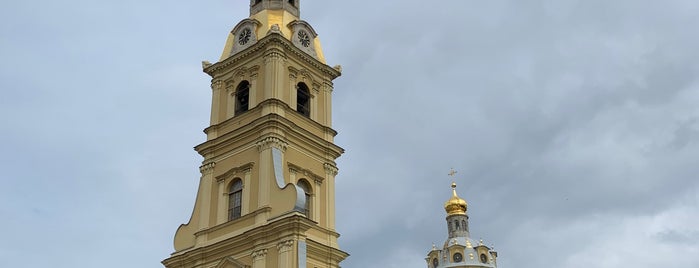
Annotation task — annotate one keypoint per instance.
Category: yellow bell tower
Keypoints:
(267, 186)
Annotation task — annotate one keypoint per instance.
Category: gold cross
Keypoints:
(452, 173)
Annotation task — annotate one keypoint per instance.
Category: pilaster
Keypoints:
(316, 200)
(330, 171)
(205, 183)
(253, 91)
(221, 213)
(217, 92)
(259, 258)
(286, 254)
(275, 60)
(327, 96)
(267, 177)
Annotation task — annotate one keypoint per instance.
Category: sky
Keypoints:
(573, 125)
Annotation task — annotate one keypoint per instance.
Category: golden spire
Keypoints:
(455, 205)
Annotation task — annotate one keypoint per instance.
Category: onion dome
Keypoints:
(455, 205)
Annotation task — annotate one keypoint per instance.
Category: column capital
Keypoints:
(271, 142)
(274, 55)
(285, 245)
(259, 254)
(330, 169)
(207, 168)
(216, 84)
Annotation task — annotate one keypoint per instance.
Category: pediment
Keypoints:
(229, 262)
(304, 37)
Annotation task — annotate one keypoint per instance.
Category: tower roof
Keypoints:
(455, 205)
(274, 16)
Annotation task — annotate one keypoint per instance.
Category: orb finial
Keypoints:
(455, 205)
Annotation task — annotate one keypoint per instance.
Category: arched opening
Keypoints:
(235, 199)
(309, 194)
(292, 2)
(484, 258)
(257, 2)
(242, 97)
(303, 100)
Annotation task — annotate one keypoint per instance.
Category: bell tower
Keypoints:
(266, 195)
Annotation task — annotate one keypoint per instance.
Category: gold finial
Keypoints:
(455, 205)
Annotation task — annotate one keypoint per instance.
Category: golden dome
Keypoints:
(455, 205)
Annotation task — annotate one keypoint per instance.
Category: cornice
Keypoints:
(319, 249)
(293, 225)
(274, 121)
(272, 38)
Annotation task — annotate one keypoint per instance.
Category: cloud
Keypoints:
(573, 125)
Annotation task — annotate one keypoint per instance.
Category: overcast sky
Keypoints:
(574, 126)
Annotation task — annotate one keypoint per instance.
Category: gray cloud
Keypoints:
(573, 125)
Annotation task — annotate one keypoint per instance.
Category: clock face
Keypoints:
(304, 38)
(458, 257)
(244, 36)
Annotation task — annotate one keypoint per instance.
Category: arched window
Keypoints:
(303, 100)
(484, 258)
(292, 2)
(235, 199)
(242, 97)
(308, 191)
